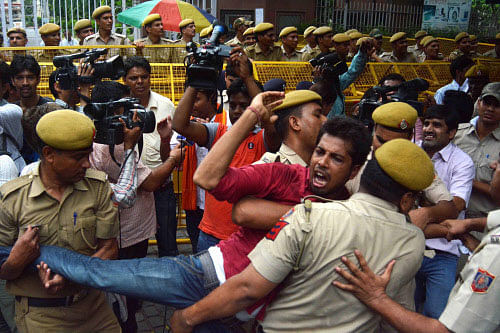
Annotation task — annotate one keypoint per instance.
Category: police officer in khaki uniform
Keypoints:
(50, 34)
(431, 50)
(188, 30)
(473, 47)
(377, 36)
(105, 36)
(249, 37)
(473, 304)
(353, 44)
(301, 253)
(17, 38)
(63, 203)
(399, 50)
(289, 41)
(417, 49)
(240, 25)
(309, 38)
(83, 28)
(264, 49)
(462, 40)
(324, 39)
(154, 28)
(495, 52)
(341, 43)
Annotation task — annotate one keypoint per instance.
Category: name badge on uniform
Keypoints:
(482, 281)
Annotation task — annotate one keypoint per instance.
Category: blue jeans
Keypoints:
(205, 241)
(435, 280)
(174, 281)
(166, 235)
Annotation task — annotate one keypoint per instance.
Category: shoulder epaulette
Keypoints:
(120, 35)
(464, 125)
(14, 185)
(96, 174)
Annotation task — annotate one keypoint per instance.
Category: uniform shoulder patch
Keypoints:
(96, 174)
(14, 185)
(273, 233)
(482, 281)
(495, 239)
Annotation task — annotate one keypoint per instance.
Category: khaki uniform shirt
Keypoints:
(114, 39)
(177, 54)
(455, 54)
(422, 57)
(255, 53)
(482, 153)
(436, 192)
(306, 48)
(295, 56)
(492, 54)
(313, 53)
(391, 57)
(84, 215)
(474, 302)
(155, 54)
(416, 51)
(308, 301)
(234, 42)
(48, 55)
(284, 155)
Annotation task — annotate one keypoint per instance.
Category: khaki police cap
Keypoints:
(420, 34)
(309, 30)
(396, 115)
(362, 40)
(185, 22)
(261, 27)
(150, 19)
(286, 31)
(298, 97)
(239, 21)
(206, 31)
(397, 36)
(82, 24)
(66, 130)
(460, 36)
(249, 31)
(322, 31)
(249, 23)
(48, 28)
(355, 35)
(477, 70)
(341, 38)
(350, 31)
(406, 163)
(472, 37)
(16, 30)
(497, 37)
(100, 10)
(427, 40)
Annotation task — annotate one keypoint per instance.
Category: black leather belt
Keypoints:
(48, 302)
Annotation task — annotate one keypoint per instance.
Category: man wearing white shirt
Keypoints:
(436, 276)
(458, 68)
(137, 78)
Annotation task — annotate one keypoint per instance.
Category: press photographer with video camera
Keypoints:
(216, 223)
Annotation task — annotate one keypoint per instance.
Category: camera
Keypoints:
(406, 92)
(109, 129)
(205, 62)
(68, 75)
(331, 66)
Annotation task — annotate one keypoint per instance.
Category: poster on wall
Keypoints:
(449, 15)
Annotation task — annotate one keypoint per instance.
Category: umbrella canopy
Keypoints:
(171, 11)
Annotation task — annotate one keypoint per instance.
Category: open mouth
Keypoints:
(320, 178)
(429, 137)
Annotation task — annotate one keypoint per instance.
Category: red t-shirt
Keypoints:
(216, 219)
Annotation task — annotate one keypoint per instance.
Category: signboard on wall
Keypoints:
(449, 15)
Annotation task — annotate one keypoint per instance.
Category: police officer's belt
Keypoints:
(54, 302)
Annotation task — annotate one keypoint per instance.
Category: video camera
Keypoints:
(109, 129)
(331, 66)
(406, 92)
(204, 63)
(68, 78)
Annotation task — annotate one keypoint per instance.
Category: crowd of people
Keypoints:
(301, 217)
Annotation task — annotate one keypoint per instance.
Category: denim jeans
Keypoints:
(7, 322)
(174, 281)
(435, 280)
(166, 234)
(205, 241)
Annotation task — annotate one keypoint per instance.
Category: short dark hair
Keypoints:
(52, 81)
(459, 64)
(376, 182)
(4, 72)
(136, 61)
(352, 131)
(29, 120)
(393, 77)
(107, 91)
(281, 125)
(461, 103)
(449, 116)
(325, 90)
(24, 62)
(236, 87)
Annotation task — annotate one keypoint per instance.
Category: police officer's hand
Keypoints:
(139, 45)
(363, 283)
(131, 135)
(164, 128)
(53, 283)
(456, 228)
(265, 102)
(26, 249)
(239, 60)
(178, 323)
